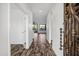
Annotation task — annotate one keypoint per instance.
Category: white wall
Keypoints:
(28, 30)
(49, 25)
(55, 22)
(4, 14)
(20, 25)
(30, 35)
(16, 25)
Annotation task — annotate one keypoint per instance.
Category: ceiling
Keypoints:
(40, 11)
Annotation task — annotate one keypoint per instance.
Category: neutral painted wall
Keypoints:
(4, 13)
(30, 35)
(49, 25)
(16, 25)
(20, 25)
(28, 30)
(55, 22)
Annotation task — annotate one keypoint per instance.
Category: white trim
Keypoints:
(27, 30)
(8, 29)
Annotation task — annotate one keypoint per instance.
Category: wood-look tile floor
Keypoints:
(36, 49)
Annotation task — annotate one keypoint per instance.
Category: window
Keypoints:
(34, 27)
(42, 27)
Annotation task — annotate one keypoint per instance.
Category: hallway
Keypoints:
(31, 29)
(37, 48)
(35, 29)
